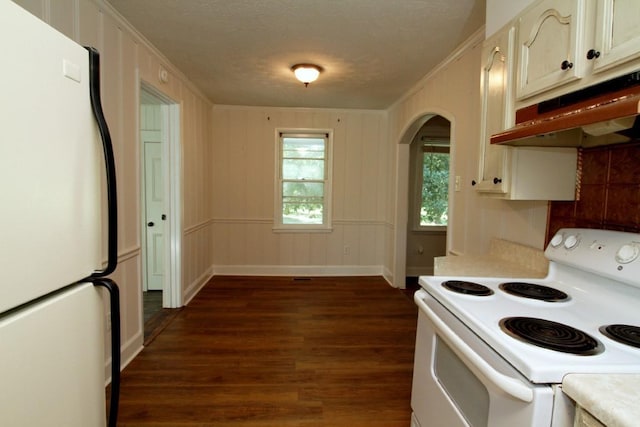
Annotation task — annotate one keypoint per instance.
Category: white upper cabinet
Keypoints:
(515, 173)
(550, 38)
(497, 109)
(617, 34)
(567, 45)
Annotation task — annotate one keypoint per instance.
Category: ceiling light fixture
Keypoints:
(306, 73)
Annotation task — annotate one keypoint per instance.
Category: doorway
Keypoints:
(402, 220)
(428, 201)
(160, 202)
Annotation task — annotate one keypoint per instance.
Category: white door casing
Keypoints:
(161, 114)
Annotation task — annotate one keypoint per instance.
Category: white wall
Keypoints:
(243, 163)
(499, 12)
(125, 59)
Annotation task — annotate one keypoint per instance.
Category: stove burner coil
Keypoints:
(551, 335)
(625, 334)
(469, 288)
(534, 291)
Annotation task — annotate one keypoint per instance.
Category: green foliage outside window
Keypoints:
(435, 189)
(302, 202)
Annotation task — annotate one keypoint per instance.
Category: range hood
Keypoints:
(606, 113)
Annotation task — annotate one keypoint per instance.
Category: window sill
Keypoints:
(436, 230)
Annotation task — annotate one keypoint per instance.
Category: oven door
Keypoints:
(459, 380)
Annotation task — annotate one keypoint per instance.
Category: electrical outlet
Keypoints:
(346, 250)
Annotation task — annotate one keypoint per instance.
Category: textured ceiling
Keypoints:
(240, 52)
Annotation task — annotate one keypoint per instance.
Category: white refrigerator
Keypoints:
(57, 187)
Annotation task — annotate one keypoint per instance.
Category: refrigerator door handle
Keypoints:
(98, 277)
(114, 300)
(112, 205)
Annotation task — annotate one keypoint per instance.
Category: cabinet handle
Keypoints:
(592, 54)
(497, 180)
(566, 65)
(473, 182)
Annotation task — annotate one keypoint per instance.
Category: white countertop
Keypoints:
(613, 399)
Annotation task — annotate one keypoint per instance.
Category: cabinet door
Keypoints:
(617, 33)
(497, 109)
(550, 38)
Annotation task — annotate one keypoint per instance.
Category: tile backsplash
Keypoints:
(609, 192)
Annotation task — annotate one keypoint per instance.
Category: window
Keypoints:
(434, 185)
(304, 184)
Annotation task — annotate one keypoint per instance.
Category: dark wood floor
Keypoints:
(278, 352)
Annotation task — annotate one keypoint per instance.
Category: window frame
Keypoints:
(417, 194)
(326, 225)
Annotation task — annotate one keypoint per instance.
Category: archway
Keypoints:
(427, 220)
(403, 159)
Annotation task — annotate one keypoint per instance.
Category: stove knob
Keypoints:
(557, 240)
(627, 253)
(571, 241)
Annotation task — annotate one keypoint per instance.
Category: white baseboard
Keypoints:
(388, 276)
(194, 287)
(299, 270)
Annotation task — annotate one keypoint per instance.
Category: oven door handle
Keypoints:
(508, 385)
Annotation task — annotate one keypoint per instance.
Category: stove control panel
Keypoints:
(613, 254)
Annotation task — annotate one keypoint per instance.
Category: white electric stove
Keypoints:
(511, 341)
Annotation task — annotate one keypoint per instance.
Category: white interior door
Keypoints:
(154, 209)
